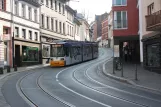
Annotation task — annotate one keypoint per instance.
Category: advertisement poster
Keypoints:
(116, 51)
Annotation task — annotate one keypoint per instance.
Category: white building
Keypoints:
(20, 21)
(110, 30)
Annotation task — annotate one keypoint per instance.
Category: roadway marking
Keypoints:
(85, 96)
(107, 86)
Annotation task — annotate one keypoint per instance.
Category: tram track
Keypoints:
(104, 93)
(29, 100)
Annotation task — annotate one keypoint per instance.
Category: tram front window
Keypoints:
(57, 51)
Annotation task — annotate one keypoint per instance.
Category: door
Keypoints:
(17, 55)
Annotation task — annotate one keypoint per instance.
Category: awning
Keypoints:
(151, 35)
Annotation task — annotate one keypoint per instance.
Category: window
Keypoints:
(60, 27)
(55, 5)
(51, 1)
(72, 31)
(42, 20)
(36, 36)
(153, 55)
(46, 51)
(2, 4)
(30, 54)
(24, 33)
(120, 19)
(29, 11)
(119, 2)
(52, 24)
(68, 29)
(30, 35)
(59, 7)
(35, 15)
(63, 9)
(23, 10)
(63, 28)
(47, 3)
(16, 32)
(16, 8)
(42, 1)
(47, 22)
(150, 8)
(56, 25)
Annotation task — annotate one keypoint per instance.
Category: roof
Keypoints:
(70, 10)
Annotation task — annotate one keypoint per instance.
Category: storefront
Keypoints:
(27, 53)
(152, 51)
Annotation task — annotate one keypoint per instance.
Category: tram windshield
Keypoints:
(57, 50)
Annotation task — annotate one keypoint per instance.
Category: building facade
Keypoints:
(5, 33)
(26, 32)
(105, 32)
(150, 35)
(126, 27)
(110, 29)
(54, 21)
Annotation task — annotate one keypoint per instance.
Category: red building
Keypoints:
(126, 26)
(105, 29)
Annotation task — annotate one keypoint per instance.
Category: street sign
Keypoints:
(116, 51)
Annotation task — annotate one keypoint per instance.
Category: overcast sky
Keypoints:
(91, 7)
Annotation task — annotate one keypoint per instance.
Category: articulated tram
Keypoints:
(67, 52)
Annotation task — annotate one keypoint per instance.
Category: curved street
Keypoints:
(81, 85)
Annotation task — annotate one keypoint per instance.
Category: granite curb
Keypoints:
(128, 81)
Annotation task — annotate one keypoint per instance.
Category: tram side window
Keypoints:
(67, 51)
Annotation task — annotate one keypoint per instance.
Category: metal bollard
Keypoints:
(122, 70)
(1, 70)
(15, 68)
(136, 73)
(8, 69)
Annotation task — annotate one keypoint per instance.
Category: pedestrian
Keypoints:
(125, 53)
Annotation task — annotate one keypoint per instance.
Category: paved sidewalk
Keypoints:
(146, 79)
(3, 78)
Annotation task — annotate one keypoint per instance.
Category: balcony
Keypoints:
(32, 2)
(153, 21)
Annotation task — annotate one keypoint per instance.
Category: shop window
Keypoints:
(153, 55)
(30, 54)
(45, 51)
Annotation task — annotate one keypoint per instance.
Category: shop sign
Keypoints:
(1, 55)
(116, 51)
(6, 37)
(32, 48)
